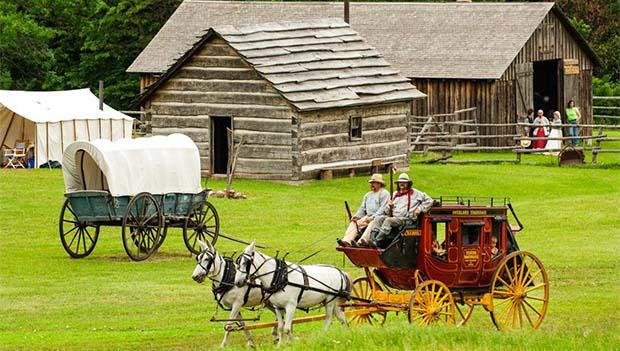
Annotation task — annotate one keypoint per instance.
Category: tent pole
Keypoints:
(100, 137)
(74, 131)
(87, 128)
(62, 145)
(7, 130)
(47, 144)
(36, 145)
(23, 129)
(111, 132)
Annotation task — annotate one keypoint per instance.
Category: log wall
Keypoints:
(217, 82)
(323, 137)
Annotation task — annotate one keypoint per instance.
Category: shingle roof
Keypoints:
(315, 64)
(422, 40)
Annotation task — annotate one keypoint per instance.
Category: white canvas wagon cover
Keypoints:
(158, 165)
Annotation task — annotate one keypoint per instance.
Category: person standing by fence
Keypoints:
(556, 133)
(573, 116)
(541, 131)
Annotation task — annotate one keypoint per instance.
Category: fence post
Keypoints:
(598, 144)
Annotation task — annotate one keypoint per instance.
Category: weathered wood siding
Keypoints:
(499, 101)
(552, 41)
(217, 82)
(323, 137)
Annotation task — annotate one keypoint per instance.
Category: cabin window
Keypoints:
(355, 128)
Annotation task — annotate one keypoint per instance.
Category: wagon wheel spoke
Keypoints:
(69, 231)
(527, 315)
(535, 287)
(533, 308)
(71, 210)
(74, 236)
(532, 278)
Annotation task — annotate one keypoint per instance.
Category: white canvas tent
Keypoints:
(51, 120)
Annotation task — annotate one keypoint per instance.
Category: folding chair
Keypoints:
(15, 157)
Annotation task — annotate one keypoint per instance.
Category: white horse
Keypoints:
(212, 265)
(290, 286)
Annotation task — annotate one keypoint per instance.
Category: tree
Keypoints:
(115, 39)
(26, 60)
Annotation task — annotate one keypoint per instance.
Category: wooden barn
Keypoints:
(300, 98)
(502, 58)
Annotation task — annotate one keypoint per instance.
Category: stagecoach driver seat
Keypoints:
(403, 209)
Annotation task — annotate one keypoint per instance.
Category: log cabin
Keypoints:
(300, 98)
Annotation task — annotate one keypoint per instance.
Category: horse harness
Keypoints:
(280, 281)
(220, 288)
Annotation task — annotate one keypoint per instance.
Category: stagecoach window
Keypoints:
(355, 128)
(471, 235)
(439, 239)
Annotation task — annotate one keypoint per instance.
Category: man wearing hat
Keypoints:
(373, 204)
(403, 209)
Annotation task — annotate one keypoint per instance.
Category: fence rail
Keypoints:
(608, 112)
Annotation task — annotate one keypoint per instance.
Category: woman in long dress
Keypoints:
(541, 131)
(556, 132)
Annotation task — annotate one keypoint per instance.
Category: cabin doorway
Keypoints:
(546, 86)
(219, 143)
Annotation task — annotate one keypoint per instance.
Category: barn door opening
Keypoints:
(219, 143)
(546, 86)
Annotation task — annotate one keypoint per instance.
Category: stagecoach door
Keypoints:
(219, 143)
(471, 253)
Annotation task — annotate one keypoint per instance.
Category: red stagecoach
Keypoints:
(460, 254)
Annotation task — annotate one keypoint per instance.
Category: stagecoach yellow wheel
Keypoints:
(520, 292)
(463, 313)
(431, 303)
(361, 289)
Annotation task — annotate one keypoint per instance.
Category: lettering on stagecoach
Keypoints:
(470, 258)
(412, 232)
(469, 212)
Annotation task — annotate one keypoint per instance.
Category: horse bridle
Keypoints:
(245, 267)
(211, 262)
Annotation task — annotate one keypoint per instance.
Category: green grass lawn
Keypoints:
(49, 301)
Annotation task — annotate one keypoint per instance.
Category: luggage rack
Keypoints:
(472, 201)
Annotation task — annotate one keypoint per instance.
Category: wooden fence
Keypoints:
(607, 109)
(446, 143)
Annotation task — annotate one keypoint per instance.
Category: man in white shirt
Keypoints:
(373, 204)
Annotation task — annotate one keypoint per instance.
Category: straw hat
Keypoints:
(526, 143)
(404, 178)
(376, 178)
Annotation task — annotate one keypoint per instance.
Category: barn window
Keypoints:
(355, 128)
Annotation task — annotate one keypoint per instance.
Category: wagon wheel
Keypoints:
(430, 303)
(142, 227)
(520, 292)
(463, 313)
(361, 289)
(202, 224)
(78, 238)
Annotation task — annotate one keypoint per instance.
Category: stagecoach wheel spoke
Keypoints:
(202, 224)
(142, 227)
(361, 288)
(529, 289)
(70, 224)
(431, 302)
